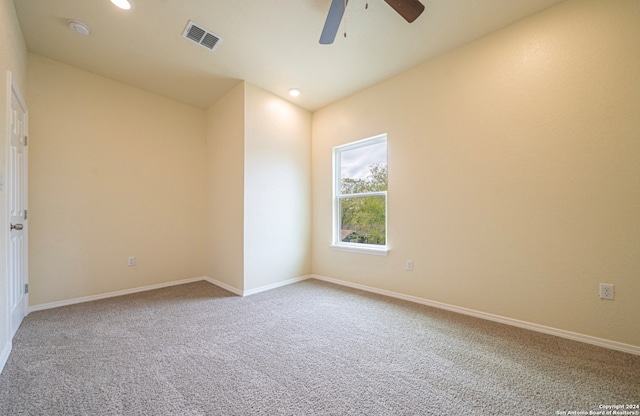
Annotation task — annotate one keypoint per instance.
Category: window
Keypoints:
(360, 196)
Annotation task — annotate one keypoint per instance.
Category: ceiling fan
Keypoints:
(409, 9)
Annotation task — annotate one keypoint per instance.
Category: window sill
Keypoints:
(382, 251)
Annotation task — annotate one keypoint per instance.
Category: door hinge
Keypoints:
(26, 288)
(26, 140)
(26, 214)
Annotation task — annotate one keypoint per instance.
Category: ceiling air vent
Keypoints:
(202, 36)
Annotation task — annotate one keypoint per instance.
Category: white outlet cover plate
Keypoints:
(606, 291)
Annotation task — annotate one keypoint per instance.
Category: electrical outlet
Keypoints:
(606, 291)
(410, 265)
(131, 261)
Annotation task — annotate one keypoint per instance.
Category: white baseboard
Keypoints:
(257, 289)
(5, 355)
(218, 283)
(632, 349)
(112, 294)
(224, 286)
(275, 285)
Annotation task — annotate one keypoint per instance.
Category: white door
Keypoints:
(17, 201)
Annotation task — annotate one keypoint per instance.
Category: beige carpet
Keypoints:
(311, 348)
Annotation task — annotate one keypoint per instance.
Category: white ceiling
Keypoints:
(270, 43)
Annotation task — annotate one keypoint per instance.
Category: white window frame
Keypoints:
(337, 243)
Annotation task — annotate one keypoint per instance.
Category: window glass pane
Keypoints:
(364, 169)
(362, 220)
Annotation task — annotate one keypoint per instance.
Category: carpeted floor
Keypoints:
(311, 348)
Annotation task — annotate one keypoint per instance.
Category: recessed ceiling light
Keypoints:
(124, 4)
(79, 27)
(294, 92)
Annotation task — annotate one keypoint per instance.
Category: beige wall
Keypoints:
(118, 172)
(258, 184)
(514, 173)
(114, 172)
(277, 181)
(13, 57)
(225, 188)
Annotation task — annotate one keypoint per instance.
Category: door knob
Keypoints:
(17, 227)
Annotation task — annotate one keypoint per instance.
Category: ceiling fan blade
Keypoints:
(409, 9)
(332, 24)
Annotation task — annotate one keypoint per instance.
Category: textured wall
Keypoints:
(277, 204)
(114, 172)
(225, 188)
(514, 173)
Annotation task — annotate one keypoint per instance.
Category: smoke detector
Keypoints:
(202, 36)
(79, 27)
